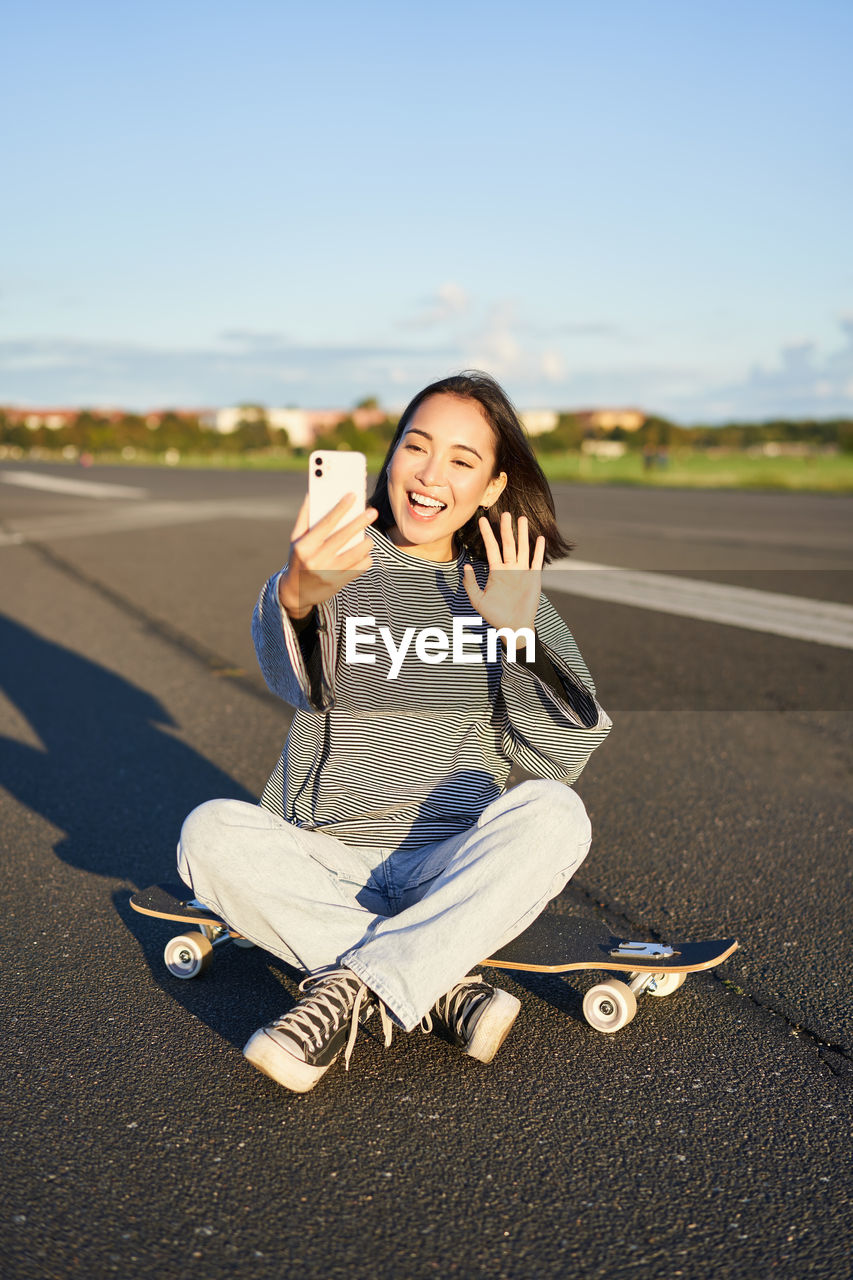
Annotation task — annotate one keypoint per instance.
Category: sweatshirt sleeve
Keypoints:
(551, 734)
(301, 674)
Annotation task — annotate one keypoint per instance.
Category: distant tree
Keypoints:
(844, 436)
(346, 435)
(565, 437)
(252, 434)
(132, 431)
(175, 431)
(252, 431)
(13, 433)
(376, 439)
(658, 432)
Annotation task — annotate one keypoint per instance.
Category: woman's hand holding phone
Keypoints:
(317, 567)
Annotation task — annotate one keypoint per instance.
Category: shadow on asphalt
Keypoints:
(118, 785)
(558, 992)
(240, 990)
(108, 773)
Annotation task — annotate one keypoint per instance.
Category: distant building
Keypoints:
(226, 421)
(607, 419)
(301, 425)
(53, 419)
(604, 448)
(538, 421)
(203, 416)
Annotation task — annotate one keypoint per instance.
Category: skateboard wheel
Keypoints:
(188, 955)
(666, 983)
(243, 943)
(609, 1006)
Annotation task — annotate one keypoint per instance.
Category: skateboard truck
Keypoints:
(644, 950)
(191, 953)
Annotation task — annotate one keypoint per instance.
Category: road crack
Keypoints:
(214, 663)
(617, 916)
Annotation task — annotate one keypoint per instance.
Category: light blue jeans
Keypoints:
(410, 923)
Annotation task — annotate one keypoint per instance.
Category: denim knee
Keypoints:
(548, 822)
(203, 832)
(555, 805)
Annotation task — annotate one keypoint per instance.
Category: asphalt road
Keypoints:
(710, 1138)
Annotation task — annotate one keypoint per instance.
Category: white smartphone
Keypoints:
(331, 474)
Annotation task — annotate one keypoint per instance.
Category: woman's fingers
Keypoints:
(341, 537)
(508, 555)
(523, 558)
(323, 539)
(324, 564)
(301, 525)
(346, 562)
(322, 527)
(507, 540)
(469, 581)
(490, 542)
(363, 565)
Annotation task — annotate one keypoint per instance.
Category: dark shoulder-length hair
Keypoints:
(526, 493)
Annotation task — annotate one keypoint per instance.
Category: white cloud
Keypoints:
(553, 366)
(801, 381)
(453, 297)
(449, 301)
(495, 346)
(273, 369)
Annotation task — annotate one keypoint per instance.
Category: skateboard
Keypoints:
(551, 944)
(560, 944)
(189, 954)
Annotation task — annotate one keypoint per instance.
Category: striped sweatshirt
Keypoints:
(398, 761)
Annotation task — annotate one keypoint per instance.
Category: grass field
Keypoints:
(823, 473)
(826, 473)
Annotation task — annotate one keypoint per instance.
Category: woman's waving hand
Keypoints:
(510, 598)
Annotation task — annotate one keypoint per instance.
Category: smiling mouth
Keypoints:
(424, 507)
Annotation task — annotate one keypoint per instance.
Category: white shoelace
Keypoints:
(330, 1006)
(451, 1006)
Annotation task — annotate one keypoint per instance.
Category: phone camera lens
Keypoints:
(318, 472)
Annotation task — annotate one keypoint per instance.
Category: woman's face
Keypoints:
(446, 455)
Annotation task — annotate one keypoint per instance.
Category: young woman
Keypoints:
(386, 857)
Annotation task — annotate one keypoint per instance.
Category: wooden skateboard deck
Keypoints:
(173, 902)
(551, 944)
(558, 944)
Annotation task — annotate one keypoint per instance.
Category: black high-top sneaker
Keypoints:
(299, 1047)
(474, 1016)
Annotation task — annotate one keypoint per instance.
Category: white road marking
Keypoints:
(795, 617)
(796, 537)
(74, 488)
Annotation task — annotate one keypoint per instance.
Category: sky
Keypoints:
(601, 204)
